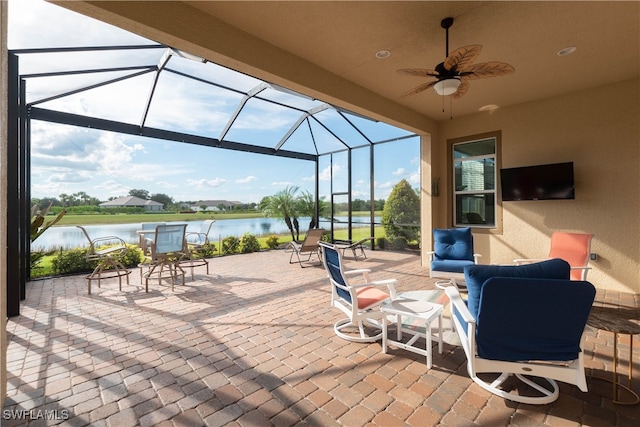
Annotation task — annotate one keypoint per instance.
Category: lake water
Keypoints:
(71, 237)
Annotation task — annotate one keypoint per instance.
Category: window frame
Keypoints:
(454, 193)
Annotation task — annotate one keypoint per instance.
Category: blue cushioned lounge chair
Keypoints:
(523, 321)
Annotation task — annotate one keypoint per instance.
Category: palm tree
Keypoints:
(283, 205)
(306, 206)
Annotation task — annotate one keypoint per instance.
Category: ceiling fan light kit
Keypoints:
(447, 87)
(453, 74)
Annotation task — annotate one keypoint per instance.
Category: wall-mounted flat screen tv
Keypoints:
(542, 182)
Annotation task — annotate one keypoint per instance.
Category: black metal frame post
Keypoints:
(15, 283)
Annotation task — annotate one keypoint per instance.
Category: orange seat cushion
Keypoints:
(369, 296)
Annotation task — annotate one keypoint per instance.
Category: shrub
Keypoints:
(399, 243)
(132, 256)
(75, 260)
(72, 261)
(272, 241)
(230, 245)
(249, 243)
(208, 250)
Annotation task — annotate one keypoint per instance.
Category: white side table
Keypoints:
(422, 311)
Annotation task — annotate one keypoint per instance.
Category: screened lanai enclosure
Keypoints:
(151, 92)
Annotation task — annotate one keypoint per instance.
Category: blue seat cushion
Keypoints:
(532, 319)
(476, 275)
(451, 266)
(453, 244)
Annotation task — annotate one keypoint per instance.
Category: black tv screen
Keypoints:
(542, 182)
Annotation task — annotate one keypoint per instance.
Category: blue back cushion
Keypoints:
(532, 319)
(332, 259)
(453, 244)
(476, 275)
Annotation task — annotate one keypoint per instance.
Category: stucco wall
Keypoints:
(599, 131)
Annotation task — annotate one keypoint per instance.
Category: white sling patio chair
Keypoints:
(359, 301)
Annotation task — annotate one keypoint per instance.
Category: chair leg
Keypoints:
(363, 337)
(547, 394)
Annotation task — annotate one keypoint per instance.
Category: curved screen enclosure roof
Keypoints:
(157, 91)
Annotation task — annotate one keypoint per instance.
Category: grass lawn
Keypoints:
(97, 219)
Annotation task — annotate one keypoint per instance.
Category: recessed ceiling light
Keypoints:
(381, 54)
(490, 108)
(567, 51)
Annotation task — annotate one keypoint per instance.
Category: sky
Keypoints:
(68, 159)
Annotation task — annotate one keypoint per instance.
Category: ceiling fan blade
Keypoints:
(487, 69)
(462, 89)
(419, 89)
(418, 72)
(462, 56)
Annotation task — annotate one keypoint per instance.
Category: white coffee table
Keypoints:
(424, 312)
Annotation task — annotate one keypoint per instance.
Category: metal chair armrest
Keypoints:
(364, 271)
(108, 239)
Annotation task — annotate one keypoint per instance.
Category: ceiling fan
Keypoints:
(453, 75)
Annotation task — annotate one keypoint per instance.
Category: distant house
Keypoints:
(133, 202)
(215, 205)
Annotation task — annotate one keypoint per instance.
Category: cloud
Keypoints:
(414, 178)
(166, 184)
(246, 180)
(35, 23)
(388, 184)
(69, 177)
(207, 183)
(327, 172)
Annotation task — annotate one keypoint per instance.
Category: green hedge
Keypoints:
(75, 260)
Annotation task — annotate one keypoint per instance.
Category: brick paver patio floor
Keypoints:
(252, 344)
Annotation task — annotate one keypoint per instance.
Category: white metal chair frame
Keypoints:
(109, 264)
(356, 315)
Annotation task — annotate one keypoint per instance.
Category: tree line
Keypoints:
(81, 201)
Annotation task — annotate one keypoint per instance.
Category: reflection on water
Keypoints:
(67, 237)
